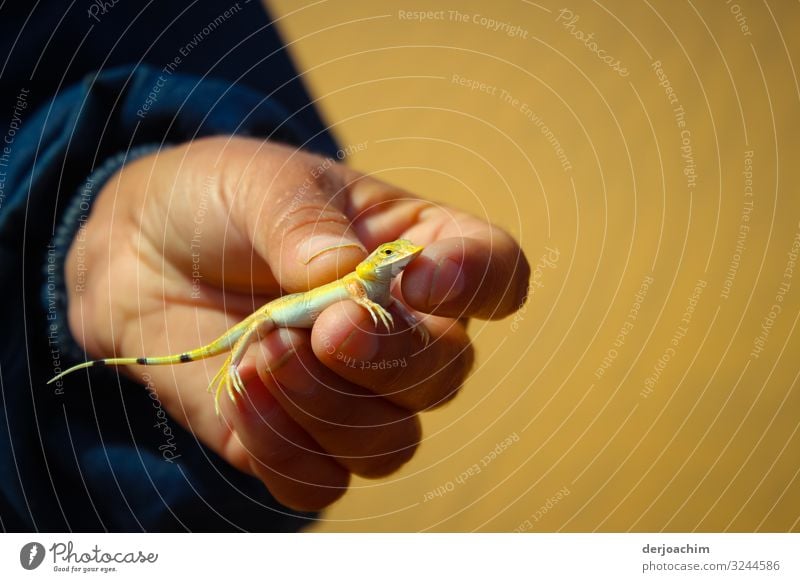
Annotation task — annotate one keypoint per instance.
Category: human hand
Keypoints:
(183, 244)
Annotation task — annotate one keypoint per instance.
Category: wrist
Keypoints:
(82, 247)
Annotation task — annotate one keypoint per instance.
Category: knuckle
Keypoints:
(296, 219)
(441, 382)
(389, 450)
(276, 458)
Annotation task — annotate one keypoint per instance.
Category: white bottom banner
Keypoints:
(388, 557)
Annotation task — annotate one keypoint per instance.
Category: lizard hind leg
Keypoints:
(228, 376)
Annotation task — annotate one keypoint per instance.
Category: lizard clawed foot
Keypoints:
(228, 379)
(378, 311)
(235, 380)
(218, 382)
(386, 319)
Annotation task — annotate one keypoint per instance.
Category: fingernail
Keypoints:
(320, 244)
(448, 283)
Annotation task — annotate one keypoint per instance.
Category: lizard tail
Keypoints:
(103, 362)
(159, 361)
(218, 346)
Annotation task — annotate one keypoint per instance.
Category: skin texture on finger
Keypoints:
(368, 435)
(394, 365)
(294, 208)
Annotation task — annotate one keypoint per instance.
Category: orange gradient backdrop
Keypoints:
(646, 157)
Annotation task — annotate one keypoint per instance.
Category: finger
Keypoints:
(469, 267)
(396, 366)
(468, 277)
(291, 464)
(294, 207)
(367, 434)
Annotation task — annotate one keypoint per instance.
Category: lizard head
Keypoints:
(388, 260)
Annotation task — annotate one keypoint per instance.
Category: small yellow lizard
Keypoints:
(369, 286)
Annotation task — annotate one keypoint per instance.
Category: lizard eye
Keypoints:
(388, 252)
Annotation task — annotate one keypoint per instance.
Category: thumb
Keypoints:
(294, 205)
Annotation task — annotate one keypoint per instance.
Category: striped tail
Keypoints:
(163, 361)
(218, 346)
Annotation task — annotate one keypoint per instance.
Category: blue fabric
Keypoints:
(88, 458)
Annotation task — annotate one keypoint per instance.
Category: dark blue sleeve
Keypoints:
(94, 458)
(49, 45)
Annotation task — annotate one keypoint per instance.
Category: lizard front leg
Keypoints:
(376, 310)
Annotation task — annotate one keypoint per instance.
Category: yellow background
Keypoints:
(714, 444)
